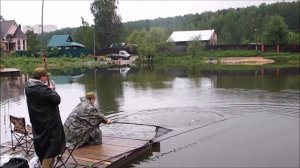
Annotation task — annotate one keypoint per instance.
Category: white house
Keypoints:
(11, 36)
(181, 38)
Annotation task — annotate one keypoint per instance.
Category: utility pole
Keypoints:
(94, 40)
(43, 49)
(42, 26)
(255, 40)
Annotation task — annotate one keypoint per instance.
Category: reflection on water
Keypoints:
(176, 98)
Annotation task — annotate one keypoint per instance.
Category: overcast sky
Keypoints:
(68, 13)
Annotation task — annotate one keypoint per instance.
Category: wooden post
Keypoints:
(277, 48)
(277, 71)
(262, 71)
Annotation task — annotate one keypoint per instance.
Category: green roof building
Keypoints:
(63, 42)
(66, 46)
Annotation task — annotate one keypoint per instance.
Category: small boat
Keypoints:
(76, 78)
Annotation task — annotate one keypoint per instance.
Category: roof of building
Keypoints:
(180, 36)
(4, 27)
(19, 33)
(62, 40)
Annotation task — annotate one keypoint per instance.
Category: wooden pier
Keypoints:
(113, 152)
(9, 72)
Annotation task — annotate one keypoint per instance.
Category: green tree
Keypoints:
(1, 48)
(139, 38)
(33, 43)
(294, 38)
(277, 31)
(85, 34)
(195, 46)
(108, 23)
(158, 37)
(84, 22)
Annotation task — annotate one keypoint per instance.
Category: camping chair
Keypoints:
(60, 161)
(21, 133)
(70, 147)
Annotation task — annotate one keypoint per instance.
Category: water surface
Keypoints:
(218, 120)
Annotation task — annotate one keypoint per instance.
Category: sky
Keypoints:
(68, 13)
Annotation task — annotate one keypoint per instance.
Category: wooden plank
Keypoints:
(4, 149)
(99, 152)
(119, 161)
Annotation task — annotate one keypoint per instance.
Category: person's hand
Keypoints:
(52, 85)
(108, 121)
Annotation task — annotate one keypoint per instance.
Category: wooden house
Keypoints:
(63, 42)
(11, 36)
(66, 46)
(181, 38)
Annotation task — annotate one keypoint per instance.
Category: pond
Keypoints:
(219, 119)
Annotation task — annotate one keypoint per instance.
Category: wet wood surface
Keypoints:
(113, 150)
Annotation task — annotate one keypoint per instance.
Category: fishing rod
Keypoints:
(45, 64)
(150, 125)
(159, 130)
(43, 50)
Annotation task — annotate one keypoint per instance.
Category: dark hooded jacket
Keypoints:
(48, 133)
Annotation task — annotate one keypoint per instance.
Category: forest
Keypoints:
(233, 26)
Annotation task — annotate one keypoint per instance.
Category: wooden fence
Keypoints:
(259, 47)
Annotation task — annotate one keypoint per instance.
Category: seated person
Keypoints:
(82, 125)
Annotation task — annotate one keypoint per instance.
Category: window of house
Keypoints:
(24, 44)
(19, 44)
(67, 48)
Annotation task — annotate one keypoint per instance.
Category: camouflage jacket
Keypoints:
(82, 125)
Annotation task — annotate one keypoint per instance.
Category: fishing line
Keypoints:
(151, 142)
(125, 116)
(180, 133)
(159, 131)
(100, 108)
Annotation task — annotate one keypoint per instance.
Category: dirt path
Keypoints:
(242, 61)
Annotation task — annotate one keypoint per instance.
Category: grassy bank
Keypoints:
(281, 59)
(26, 64)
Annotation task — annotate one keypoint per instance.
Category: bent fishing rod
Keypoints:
(46, 65)
(150, 125)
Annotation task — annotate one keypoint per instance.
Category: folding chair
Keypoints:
(21, 133)
(70, 147)
(60, 161)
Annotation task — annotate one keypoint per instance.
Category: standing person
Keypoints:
(48, 134)
(82, 125)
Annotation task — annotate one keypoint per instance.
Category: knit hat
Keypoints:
(38, 72)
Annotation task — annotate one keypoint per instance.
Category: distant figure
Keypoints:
(48, 133)
(150, 57)
(82, 125)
